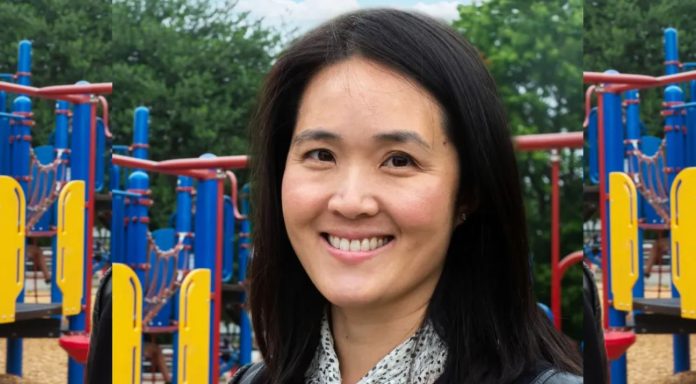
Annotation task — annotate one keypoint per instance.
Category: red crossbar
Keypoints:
(549, 141)
(621, 82)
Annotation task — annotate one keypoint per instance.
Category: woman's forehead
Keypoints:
(362, 97)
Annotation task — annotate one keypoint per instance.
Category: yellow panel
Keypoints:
(194, 327)
(683, 226)
(127, 324)
(623, 227)
(12, 240)
(70, 248)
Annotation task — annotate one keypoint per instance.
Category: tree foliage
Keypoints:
(534, 51)
(627, 36)
(197, 66)
(71, 41)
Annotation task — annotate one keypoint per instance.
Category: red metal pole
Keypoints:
(218, 278)
(602, 207)
(153, 166)
(555, 239)
(227, 162)
(624, 78)
(620, 82)
(90, 214)
(568, 261)
(76, 89)
(36, 92)
(545, 141)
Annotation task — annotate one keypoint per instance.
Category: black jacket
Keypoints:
(99, 360)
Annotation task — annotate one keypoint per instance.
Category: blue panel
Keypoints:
(592, 144)
(228, 241)
(100, 154)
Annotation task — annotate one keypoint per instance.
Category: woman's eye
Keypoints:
(399, 161)
(320, 155)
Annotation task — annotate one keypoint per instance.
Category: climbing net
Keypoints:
(45, 184)
(649, 176)
(160, 285)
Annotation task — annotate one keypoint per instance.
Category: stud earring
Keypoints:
(462, 216)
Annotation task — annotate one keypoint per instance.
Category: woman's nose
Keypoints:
(354, 196)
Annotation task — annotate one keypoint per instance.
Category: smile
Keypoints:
(357, 245)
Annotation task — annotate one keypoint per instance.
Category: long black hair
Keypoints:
(483, 306)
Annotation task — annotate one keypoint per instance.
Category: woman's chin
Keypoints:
(350, 297)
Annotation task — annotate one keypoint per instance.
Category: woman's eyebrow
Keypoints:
(402, 137)
(315, 135)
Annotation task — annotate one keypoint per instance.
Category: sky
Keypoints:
(305, 14)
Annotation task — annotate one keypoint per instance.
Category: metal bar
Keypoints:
(227, 162)
(549, 141)
(555, 239)
(568, 261)
(153, 166)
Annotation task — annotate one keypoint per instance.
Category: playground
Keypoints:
(179, 290)
(642, 243)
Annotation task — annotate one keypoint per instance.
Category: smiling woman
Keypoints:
(390, 241)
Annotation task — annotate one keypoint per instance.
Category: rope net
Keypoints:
(649, 176)
(160, 284)
(45, 185)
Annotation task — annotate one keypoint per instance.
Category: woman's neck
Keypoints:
(362, 337)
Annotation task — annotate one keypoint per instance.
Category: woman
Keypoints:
(390, 240)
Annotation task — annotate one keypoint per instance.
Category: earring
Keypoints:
(462, 216)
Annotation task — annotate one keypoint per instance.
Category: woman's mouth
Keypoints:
(357, 245)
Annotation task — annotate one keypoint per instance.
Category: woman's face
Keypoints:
(370, 186)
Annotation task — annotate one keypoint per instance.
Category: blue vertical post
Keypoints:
(24, 63)
(671, 51)
(245, 247)
(118, 227)
(138, 184)
(675, 160)
(21, 136)
(61, 143)
(632, 101)
(204, 243)
(614, 159)
(141, 125)
(691, 127)
(4, 137)
(79, 170)
(184, 193)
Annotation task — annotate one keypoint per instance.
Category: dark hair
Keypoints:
(483, 306)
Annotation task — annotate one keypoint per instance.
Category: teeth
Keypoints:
(364, 245)
(344, 245)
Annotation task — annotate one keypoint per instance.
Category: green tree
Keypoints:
(71, 41)
(197, 66)
(627, 36)
(534, 51)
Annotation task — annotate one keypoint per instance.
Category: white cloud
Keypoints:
(300, 14)
(446, 10)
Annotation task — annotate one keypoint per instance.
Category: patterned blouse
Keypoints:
(420, 359)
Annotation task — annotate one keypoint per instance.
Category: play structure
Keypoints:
(171, 281)
(48, 192)
(646, 184)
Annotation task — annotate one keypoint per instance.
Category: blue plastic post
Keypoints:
(228, 240)
(79, 170)
(138, 183)
(61, 143)
(20, 170)
(671, 51)
(244, 248)
(24, 63)
(674, 135)
(141, 123)
(691, 127)
(4, 137)
(632, 101)
(184, 193)
(100, 151)
(204, 243)
(593, 146)
(614, 156)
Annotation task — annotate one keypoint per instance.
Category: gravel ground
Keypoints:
(45, 362)
(650, 358)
